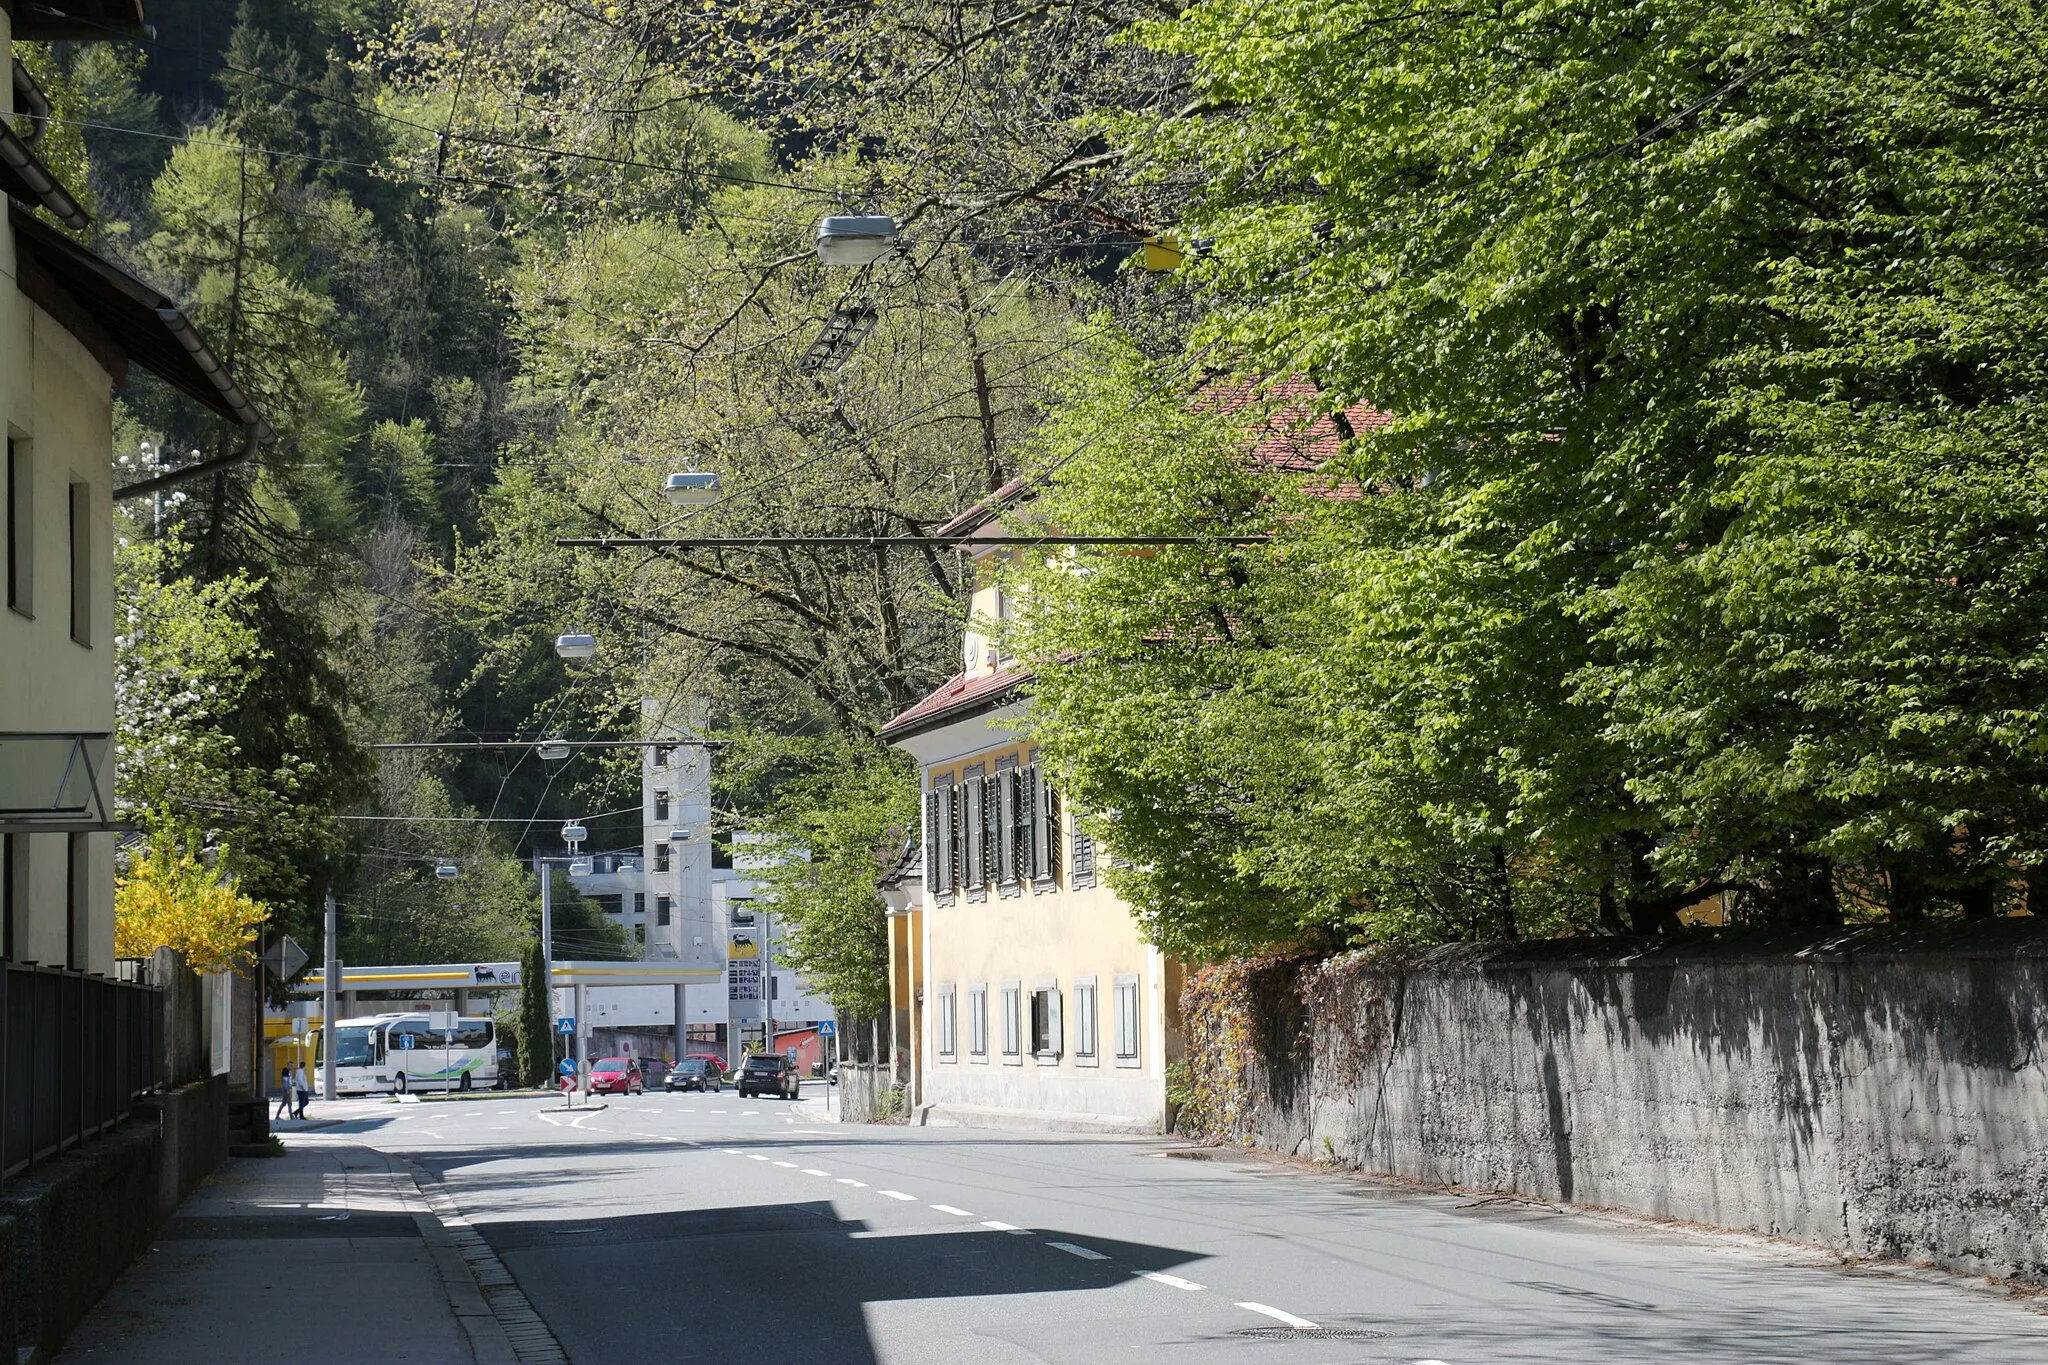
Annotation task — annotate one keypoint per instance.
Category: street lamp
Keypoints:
(580, 867)
(855, 238)
(691, 488)
(552, 749)
(447, 871)
(574, 833)
(576, 646)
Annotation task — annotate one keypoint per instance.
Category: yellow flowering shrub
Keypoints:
(169, 899)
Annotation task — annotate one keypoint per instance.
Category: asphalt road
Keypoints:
(679, 1228)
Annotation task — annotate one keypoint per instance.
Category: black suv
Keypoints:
(764, 1075)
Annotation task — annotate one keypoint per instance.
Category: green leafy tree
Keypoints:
(839, 824)
(1694, 555)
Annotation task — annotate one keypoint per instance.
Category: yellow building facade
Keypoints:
(1034, 999)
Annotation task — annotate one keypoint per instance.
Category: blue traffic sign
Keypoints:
(405, 1041)
(826, 1028)
(565, 1025)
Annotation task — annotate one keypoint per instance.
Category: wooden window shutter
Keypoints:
(945, 849)
(931, 842)
(1027, 823)
(1045, 829)
(1082, 869)
(976, 862)
(1006, 794)
(991, 831)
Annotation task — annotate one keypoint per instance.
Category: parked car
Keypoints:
(765, 1075)
(695, 1073)
(616, 1076)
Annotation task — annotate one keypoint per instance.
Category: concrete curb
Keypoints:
(502, 1325)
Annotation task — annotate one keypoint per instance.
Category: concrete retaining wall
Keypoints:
(71, 1225)
(1883, 1093)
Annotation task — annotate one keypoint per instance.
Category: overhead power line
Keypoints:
(875, 542)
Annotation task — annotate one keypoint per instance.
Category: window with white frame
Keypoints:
(1013, 996)
(943, 1025)
(977, 1022)
(1126, 1008)
(1084, 1021)
(1047, 1032)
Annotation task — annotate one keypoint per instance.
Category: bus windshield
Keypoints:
(352, 1047)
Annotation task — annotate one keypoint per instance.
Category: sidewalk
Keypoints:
(325, 1256)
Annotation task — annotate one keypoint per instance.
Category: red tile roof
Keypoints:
(961, 697)
(1296, 439)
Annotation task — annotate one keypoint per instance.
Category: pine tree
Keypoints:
(536, 1026)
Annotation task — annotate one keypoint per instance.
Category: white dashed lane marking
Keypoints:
(994, 1226)
(755, 1156)
(1171, 1281)
(849, 1180)
(948, 1208)
(787, 1165)
(812, 1170)
(1271, 1312)
(895, 1194)
(1085, 1253)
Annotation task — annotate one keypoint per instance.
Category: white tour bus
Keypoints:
(388, 1053)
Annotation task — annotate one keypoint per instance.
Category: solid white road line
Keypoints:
(948, 1208)
(1288, 1318)
(993, 1226)
(895, 1194)
(1083, 1252)
(857, 1184)
(1171, 1281)
(812, 1170)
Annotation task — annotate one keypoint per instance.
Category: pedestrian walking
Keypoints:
(304, 1088)
(286, 1094)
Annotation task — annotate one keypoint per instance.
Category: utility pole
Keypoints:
(767, 984)
(547, 944)
(330, 987)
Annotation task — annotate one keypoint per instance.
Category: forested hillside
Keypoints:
(493, 272)
(1685, 546)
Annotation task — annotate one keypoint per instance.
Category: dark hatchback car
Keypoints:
(768, 1076)
(694, 1073)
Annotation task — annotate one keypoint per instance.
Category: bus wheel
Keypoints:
(465, 1080)
(404, 1083)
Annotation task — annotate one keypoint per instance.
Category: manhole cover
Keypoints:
(1308, 1334)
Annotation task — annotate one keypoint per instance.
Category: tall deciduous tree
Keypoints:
(1700, 550)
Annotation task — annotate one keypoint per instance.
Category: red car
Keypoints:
(616, 1076)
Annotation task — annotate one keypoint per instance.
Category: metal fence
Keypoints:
(76, 1051)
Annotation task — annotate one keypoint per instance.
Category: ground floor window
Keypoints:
(942, 1024)
(1127, 1021)
(1084, 1020)
(1046, 1032)
(1012, 1026)
(977, 1022)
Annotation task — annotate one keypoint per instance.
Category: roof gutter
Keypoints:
(197, 471)
(230, 392)
(53, 196)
